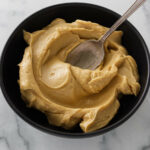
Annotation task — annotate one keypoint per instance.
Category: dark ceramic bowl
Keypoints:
(14, 49)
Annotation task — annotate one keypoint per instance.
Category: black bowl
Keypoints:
(14, 49)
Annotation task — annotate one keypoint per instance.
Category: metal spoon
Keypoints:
(90, 54)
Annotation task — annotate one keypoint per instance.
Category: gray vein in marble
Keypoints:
(6, 141)
(146, 147)
(19, 13)
(103, 143)
(25, 142)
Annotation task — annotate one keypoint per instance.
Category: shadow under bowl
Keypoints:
(14, 49)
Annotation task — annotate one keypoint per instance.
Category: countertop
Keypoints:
(15, 134)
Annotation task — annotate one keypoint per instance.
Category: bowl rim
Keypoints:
(61, 133)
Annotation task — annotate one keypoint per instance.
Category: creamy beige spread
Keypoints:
(69, 95)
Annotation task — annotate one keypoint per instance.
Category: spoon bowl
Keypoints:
(87, 55)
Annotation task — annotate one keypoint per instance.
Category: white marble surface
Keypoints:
(15, 134)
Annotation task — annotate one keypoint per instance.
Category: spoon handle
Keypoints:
(128, 13)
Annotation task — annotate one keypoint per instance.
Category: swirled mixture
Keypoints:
(69, 95)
